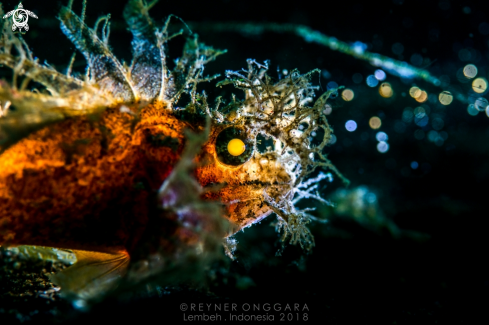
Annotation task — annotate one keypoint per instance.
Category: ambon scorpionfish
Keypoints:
(110, 167)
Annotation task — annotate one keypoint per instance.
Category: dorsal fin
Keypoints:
(93, 273)
(148, 71)
(105, 69)
(50, 78)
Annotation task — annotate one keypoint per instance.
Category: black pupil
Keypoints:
(222, 142)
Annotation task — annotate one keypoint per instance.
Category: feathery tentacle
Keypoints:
(105, 69)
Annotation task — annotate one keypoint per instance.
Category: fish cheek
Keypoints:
(247, 213)
(208, 170)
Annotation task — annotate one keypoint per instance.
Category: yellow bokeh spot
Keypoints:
(423, 96)
(470, 71)
(445, 97)
(347, 95)
(375, 122)
(236, 147)
(385, 90)
(414, 92)
(479, 85)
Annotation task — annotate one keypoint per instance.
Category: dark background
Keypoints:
(353, 272)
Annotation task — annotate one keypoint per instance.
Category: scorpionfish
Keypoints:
(112, 168)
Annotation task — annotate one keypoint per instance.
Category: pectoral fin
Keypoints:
(93, 273)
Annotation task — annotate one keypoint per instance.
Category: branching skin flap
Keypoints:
(108, 166)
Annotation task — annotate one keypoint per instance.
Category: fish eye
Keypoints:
(236, 147)
(233, 147)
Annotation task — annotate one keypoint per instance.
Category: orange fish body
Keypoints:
(87, 184)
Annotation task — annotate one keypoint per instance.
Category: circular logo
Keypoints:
(20, 16)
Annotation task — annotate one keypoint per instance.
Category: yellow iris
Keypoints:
(236, 147)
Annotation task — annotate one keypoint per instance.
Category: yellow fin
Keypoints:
(93, 273)
(44, 253)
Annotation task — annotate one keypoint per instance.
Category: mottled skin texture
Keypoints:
(88, 183)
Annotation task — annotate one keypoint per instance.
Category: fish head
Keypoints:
(241, 177)
(253, 180)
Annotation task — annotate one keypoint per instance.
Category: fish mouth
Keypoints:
(219, 186)
(245, 183)
(249, 190)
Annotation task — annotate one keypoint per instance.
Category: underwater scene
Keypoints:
(244, 161)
